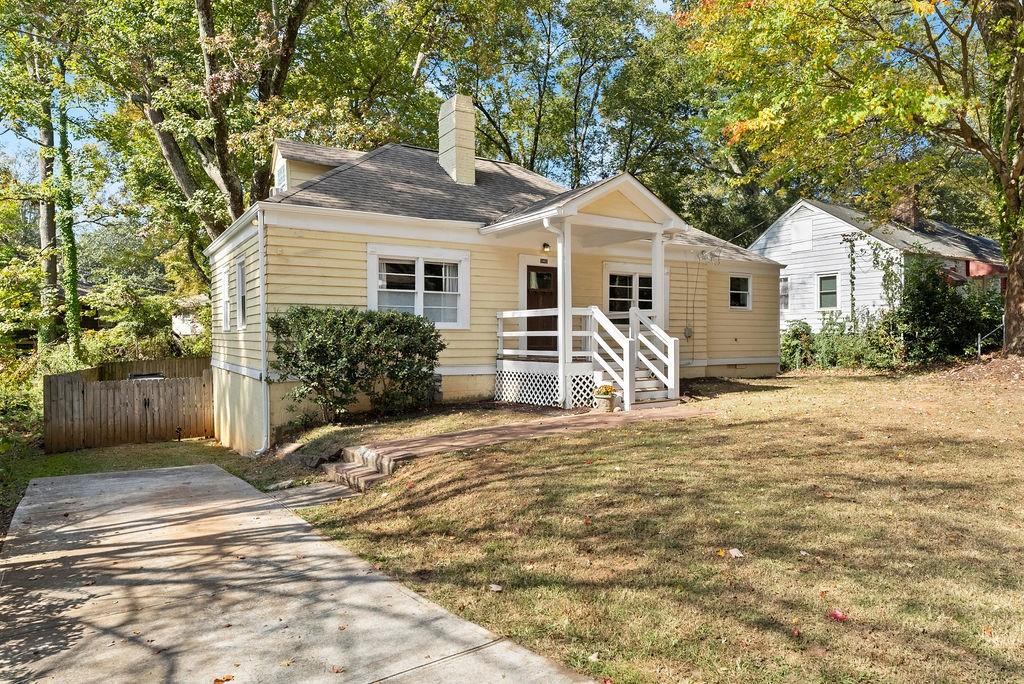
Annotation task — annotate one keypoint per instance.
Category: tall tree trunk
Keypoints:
(1014, 301)
(47, 228)
(66, 228)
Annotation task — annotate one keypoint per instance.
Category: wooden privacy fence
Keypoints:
(80, 410)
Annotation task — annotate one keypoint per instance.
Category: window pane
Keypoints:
(441, 308)
(784, 293)
(739, 284)
(542, 280)
(620, 293)
(397, 275)
(738, 299)
(440, 277)
(396, 301)
(619, 304)
(828, 292)
(620, 280)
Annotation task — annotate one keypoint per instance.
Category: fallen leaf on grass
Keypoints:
(342, 628)
(495, 587)
(987, 630)
(735, 553)
(287, 663)
(838, 615)
(337, 669)
(222, 679)
(796, 632)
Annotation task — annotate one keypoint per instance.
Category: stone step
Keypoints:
(354, 475)
(382, 460)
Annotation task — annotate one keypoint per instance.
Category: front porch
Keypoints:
(637, 357)
(560, 344)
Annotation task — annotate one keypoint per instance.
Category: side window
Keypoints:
(739, 292)
(225, 301)
(240, 293)
(828, 291)
(783, 293)
(281, 177)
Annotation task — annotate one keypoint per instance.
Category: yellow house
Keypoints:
(540, 292)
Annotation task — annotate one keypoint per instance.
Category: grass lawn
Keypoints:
(20, 460)
(893, 500)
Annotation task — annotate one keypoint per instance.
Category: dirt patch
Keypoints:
(995, 369)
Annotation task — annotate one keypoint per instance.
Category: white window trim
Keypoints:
(240, 292)
(817, 291)
(750, 291)
(376, 252)
(225, 301)
(636, 270)
(789, 293)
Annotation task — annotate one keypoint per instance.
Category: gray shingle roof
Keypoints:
(404, 180)
(316, 154)
(932, 236)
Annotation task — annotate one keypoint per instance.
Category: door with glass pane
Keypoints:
(541, 293)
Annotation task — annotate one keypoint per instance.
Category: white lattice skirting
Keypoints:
(541, 389)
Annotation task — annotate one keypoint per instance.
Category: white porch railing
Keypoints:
(641, 364)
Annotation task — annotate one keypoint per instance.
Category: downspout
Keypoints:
(264, 370)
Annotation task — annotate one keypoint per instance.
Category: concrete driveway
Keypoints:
(190, 575)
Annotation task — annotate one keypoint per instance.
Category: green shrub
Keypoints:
(841, 344)
(338, 354)
(399, 354)
(796, 346)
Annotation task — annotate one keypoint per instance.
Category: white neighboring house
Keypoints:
(821, 244)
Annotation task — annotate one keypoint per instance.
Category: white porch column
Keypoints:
(563, 241)
(660, 303)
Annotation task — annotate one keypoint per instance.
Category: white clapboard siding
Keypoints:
(822, 251)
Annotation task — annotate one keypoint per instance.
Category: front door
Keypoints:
(541, 293)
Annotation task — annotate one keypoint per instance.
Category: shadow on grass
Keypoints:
(635, 516)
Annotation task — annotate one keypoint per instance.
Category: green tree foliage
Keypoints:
(883, 92)
(338, 354)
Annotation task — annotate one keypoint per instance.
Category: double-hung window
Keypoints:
(433, 283)
(783, 293)
(739, 292)
(828, 291)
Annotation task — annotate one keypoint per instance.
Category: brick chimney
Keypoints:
(907, 209)
(456, 132)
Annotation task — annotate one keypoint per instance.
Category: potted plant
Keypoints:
(604, 397)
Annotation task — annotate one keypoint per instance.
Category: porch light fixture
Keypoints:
(546, 247)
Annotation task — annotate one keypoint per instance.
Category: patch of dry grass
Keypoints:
(363, 429)
(894, 500)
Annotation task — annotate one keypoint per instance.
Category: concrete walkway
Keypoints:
(190, 574)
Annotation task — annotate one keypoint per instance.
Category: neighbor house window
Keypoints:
(281, 177)
(426, 282)
(828, 291)
(240, 293)
(783, 293)
(739, 292)
(627, 290)
(225, 302)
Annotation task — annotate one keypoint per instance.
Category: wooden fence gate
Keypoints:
(79, 412)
